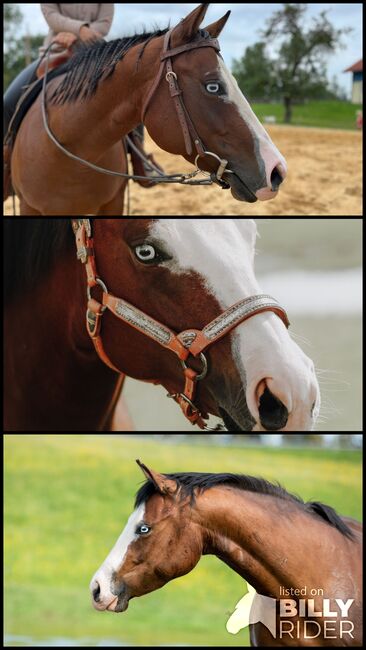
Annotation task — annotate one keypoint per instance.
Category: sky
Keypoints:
(242, 29)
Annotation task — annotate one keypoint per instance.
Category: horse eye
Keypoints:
(145, 253)
(213, 88)
(143, 529)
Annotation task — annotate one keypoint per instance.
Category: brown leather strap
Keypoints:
(145, 324)
(85, 248)
(94, 317)
(209, 42)
(186, 400)
(230, 319)
(188, 129)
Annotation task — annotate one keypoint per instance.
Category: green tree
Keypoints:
(14, 49)
(254, 74)
(299, 67)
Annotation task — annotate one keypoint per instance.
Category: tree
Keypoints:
(14, 51)
(300, 67)
(254, 73)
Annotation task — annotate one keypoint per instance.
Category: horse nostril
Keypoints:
(276, 179)
(273, 414)
(96, 592)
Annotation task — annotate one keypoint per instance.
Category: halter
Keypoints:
(191, 342)
(187, 126)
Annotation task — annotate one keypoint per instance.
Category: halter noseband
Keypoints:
(191, 342)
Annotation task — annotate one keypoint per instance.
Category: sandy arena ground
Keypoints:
(325, 178)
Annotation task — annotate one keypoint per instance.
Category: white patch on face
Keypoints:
(221, 252)
(115, 559)
(266, 152)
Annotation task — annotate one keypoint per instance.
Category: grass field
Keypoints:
(331, 114)
(67, 498)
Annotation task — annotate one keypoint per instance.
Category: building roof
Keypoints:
(356, 67)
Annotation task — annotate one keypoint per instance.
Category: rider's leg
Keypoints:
(13, 92)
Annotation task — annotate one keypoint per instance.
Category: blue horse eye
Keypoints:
(144, 529)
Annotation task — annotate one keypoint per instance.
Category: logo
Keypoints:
(294, 619)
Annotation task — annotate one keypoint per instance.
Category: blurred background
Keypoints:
(68, 497)
(314, 268)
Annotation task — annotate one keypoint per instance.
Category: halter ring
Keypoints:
(101, 284)
(204, 367)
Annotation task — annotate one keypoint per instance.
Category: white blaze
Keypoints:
(222, 252)
(115, 559)
(267, 154)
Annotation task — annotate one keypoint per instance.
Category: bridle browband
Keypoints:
(191, 342)
(188, 129)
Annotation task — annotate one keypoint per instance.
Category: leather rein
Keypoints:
(188, 129)
(188, 343)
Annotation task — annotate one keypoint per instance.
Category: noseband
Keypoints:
(190, 343)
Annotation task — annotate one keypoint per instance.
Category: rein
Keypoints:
(188, 343)
(188, 129)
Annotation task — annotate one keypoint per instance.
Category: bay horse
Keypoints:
(272, 539)
(142, 281)
(175, 81)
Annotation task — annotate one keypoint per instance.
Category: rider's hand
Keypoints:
(65, 39)
(87, 34)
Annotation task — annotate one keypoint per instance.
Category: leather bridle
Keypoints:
(189, 131)
(189, 343)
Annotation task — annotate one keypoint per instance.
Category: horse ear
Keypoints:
(189, 26)
(163, 484)
(216, 28)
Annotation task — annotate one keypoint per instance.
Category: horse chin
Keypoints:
(232, 425)
(239, 189)
(122, 606)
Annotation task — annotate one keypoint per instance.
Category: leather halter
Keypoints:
(191, 342)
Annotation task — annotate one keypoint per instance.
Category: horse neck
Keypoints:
(56, 357)
(263, 538)
(115, 108)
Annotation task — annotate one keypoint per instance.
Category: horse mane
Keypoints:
(94, 62)
(192, 483)
(31, 247)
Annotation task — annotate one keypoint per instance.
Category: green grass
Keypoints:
(67, 498)
(326, 114)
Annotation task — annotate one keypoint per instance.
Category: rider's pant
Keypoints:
(14, 91)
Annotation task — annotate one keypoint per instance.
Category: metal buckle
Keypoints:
(101, 284)
(77, 223)
(204, 367)
(172, 74)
